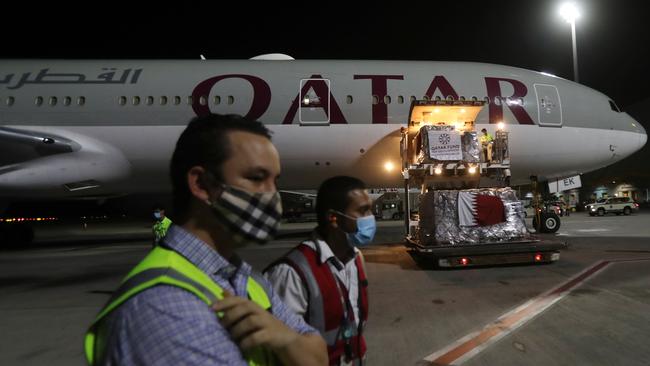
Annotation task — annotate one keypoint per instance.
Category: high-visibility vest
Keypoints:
(160, 228)
(166, 267)
(325, 310)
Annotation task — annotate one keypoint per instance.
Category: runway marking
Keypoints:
(592, 230)
(472, 344)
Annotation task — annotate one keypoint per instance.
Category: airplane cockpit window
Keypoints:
(613, 106)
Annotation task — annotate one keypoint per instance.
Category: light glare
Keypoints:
(569, 12)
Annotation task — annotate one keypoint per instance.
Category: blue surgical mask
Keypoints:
(157, 215)
(366, 228)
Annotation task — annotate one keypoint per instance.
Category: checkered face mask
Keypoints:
(251, 217)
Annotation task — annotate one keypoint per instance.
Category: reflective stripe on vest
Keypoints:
(166, 267)
(325, 310)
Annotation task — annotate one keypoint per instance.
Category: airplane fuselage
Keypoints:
(121, 119)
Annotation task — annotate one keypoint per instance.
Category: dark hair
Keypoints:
(333, 195)
(205, 143)
(158, 207)
(484, 130)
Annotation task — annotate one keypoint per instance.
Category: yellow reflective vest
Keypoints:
(166, 267)
(160, 229)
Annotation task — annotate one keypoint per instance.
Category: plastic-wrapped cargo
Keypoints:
(471, 217)
(443, 143)
(471, 147)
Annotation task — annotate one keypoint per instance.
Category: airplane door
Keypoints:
(314, 102)
(549, 107)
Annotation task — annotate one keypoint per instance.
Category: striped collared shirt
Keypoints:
(166, 325)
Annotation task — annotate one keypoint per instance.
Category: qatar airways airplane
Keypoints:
(72, 129)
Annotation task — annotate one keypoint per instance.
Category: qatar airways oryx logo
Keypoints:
(444, 138)
(317, 86)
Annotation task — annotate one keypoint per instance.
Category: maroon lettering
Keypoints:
(259, 105)
(322, 91)
(379, 88)
(496, 111)
(439, 82)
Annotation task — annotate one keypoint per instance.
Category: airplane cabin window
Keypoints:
(203, 100)
(461, 98)
(349, 99)
(163, 100)
(177, 100)
(426, 98)
(136, 100)
(387, 99)
(150, 100)
(53, 101)
(39, 101)
(190, 100)
(474, 99)
(217, 100)
(613, 106)
(400, 99)
(375, 100)
(67, 101)
(81, 101)
(412, 98)
(11, 101)
(231, 99)
(121, 100)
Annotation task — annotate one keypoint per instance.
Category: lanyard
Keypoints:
(346, 323)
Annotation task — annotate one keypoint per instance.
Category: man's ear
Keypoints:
(197, 183)
(332, 219)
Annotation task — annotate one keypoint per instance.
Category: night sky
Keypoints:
(613, 36)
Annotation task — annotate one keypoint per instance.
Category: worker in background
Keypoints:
(161, 225)
(324, 279)
(192, 300)
(486, 143)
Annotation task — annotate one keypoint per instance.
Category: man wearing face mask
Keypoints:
(324, 279)
(192, 301)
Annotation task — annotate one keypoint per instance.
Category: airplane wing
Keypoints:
(47, 164)
(17, 146)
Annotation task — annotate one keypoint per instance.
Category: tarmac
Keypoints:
(592, 307)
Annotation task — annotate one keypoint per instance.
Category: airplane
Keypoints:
(97, 129)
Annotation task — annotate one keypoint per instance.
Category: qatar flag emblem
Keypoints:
(476, 209)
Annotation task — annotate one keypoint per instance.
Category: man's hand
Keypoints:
(250, 325)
